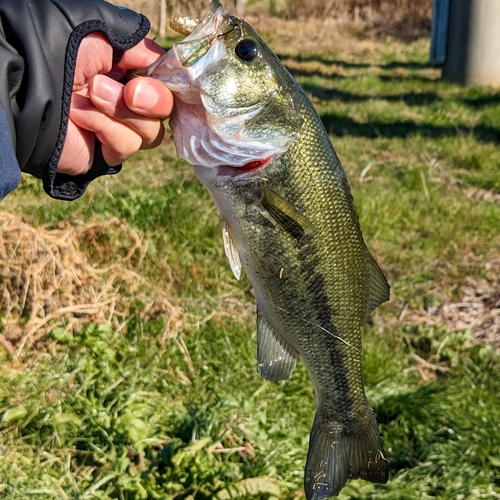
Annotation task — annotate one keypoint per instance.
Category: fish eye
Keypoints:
(246, 50)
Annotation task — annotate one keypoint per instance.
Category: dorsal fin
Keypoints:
(275, 357)
(379, 288)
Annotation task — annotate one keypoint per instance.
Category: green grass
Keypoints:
(125, 413)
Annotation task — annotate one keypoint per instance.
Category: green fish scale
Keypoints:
(294, 226)
(321, 299)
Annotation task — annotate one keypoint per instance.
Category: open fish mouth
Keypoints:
(217, 23)
(246, 171)
(223, 116)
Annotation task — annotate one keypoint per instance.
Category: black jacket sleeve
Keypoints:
(39, 41)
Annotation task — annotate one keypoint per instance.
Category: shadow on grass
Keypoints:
(410, 98)
(343, 125)
(407, 414)
(351, 65)
(417, 79)
(482, 102)
(485, 97)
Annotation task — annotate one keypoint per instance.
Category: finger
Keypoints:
(119, 141)
(146, 52)
(148, 97)
(78, 151)
(107, 97)
(95, 56)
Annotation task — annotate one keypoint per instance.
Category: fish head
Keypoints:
(234, 101)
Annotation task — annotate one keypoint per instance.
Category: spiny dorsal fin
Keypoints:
(230, 249)
(284, 215)
(379, 288)
(275, 357)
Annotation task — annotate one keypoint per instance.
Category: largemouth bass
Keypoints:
(289, 221)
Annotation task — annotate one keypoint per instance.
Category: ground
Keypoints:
(128, 349)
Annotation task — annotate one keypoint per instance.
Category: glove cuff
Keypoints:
(69, 187)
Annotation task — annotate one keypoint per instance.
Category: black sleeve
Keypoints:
(39, 41)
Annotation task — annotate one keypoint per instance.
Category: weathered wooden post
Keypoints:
(239, 6)
(162, 30)
(467, 34)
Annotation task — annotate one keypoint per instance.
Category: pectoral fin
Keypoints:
(283, 214)
(379, 288)
(275, 357)
(230, 249)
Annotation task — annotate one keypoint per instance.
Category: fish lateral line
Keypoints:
(318, 326)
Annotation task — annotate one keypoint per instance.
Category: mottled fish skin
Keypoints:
(297, 234)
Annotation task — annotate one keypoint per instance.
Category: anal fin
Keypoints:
(276, 358)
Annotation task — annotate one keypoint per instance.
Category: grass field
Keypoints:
(150, 391)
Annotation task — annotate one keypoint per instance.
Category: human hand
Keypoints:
(125, 118)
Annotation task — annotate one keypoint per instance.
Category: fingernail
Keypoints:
(145, 97)
(106, 89)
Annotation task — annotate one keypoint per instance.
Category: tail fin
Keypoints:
(338, 455)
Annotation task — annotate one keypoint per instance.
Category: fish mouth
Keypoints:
(244, 171)
(217, 23)
(224, 134)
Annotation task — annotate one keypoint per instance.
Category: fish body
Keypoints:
(289, 220)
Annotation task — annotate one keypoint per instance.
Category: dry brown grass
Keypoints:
(151, 9)
(477, 310)
(403, 19)
(358, 9)
(47, 280)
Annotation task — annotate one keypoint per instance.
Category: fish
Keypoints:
(289, 222)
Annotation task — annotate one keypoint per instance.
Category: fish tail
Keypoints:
(337, 454)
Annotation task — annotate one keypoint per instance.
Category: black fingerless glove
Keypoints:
(39, 42)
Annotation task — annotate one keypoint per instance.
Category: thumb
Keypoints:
(148, 97)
